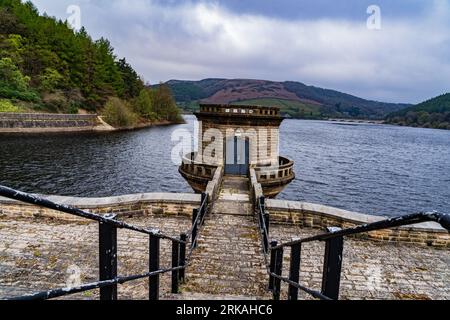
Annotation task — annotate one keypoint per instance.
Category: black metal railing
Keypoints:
(108, 225)
(334, 245)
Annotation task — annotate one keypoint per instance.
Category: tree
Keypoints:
(164, 104)
(117, 113)
(143, 105)
(11, 77)
(133, 84)
(51, 80)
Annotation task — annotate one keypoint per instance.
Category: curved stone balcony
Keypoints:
(274, 179)
(197, 174)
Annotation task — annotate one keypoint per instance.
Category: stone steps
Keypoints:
(228, 261)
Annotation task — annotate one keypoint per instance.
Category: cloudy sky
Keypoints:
(317, 42)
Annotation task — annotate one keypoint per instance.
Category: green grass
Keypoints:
(295, 109)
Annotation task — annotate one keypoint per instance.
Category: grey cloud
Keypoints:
(407, 60)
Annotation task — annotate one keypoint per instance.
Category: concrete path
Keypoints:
(228, 261)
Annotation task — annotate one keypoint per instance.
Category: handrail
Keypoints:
(50, 294)
(333, 251)
(441, 218)
(314, 293)
(38, 201)
(263, 228)
(196, 221)
(108, 252)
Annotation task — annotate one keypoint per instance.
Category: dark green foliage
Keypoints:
(338, 104)
(117, 113)
(164, 104)
(53, 57)
(326, 103)
(132, 88)
(433, 113)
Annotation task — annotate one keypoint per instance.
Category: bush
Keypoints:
(7, 106)
(8, 93)
(50, 80)
(118, 114)
(143, 105)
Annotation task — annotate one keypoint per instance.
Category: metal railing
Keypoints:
(334, 245)
(108, 278)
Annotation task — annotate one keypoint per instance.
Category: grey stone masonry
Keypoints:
(41, 250)
(372, 270)
(228, 260)
(51, 122)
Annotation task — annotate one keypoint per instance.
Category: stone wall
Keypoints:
(319, 217)
(47, 122)
(213, 187)
(263, 140)
(149, 204)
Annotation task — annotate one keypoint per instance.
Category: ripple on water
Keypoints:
(372, 169)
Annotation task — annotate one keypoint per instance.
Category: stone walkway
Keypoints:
(40, 254)
(228, 261)
(373, 270)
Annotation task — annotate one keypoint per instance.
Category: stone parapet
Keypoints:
(50, 122)
(318, 216)
(171, 204)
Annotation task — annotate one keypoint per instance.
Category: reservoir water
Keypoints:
(374, 169)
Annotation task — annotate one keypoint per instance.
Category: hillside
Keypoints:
(45, 66)
(433, 113)
(295, 99)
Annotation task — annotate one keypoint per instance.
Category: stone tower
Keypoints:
(238, 138)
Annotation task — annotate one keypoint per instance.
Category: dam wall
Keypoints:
(147, 204)
(49, 122)
(310, 215)
(294, 213)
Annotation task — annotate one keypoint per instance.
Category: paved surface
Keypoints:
(373, 270)
(228, 260)
(40, 254)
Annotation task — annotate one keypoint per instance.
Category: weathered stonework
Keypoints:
(316, 216)
(39, 247)
(49, 122)
(225, 128)
(167, 204)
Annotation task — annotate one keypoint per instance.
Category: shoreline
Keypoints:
(52, 123)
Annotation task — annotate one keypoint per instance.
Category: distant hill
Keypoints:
(433, 113)
(295, 99)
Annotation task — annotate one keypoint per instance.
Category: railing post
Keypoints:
(194, 228)
(267, 225)
(108, 258)
(175, 264)
(204, 199)
(262, 201)
(267, 222)
(154, 266)
(332, 266)
(182, 272)
(272, 263)
(294, 270)
(278, 271)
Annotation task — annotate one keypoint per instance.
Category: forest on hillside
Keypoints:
(295, 99)
(45, 66)
(433, 113)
